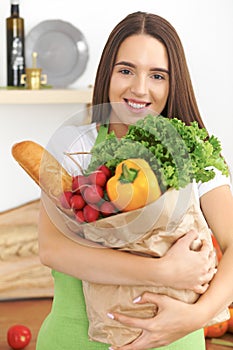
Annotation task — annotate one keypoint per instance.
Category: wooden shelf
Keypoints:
(45, 96)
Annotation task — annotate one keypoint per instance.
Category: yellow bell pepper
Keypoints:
(133, 186)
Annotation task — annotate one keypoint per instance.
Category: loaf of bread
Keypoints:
(43, 168)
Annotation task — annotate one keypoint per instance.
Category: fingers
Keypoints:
(150, 298)
(208, 253)
(202, 288)
(135, 322)
(189, 237)
(213, 259)
(206, 247)
(210, 259)
(129, 321)
(139, 323)
(211, 263)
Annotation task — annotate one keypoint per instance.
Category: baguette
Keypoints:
(43, 168)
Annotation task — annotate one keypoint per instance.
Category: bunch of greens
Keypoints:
(177, 153)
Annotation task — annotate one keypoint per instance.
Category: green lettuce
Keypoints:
(177, 153)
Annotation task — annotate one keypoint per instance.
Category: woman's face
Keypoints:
(140, 79)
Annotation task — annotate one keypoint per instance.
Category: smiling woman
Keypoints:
(142, 68)
(140, 79)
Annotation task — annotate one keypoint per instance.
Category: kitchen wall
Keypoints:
(206, 30)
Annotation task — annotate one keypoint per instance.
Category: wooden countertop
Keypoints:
(227, 337)
(32, 312)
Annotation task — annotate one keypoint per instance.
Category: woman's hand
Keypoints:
(173, 320)
(190, 269)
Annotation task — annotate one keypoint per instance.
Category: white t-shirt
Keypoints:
(71, 138)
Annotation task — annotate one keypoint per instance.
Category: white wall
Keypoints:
(206, 30)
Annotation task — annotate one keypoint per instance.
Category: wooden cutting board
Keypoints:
(21, 273)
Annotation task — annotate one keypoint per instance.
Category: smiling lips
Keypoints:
(137, 104)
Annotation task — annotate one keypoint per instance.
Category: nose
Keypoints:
(139, 86)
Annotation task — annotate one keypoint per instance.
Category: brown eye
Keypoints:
(157, 76)
(125, 71)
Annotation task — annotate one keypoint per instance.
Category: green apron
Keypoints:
(66, 326)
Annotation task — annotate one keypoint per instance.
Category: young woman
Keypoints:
(142, 67)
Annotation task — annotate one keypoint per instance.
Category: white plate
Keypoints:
(62, 51)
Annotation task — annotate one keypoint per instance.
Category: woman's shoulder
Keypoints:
(69, 137)
(72, 132)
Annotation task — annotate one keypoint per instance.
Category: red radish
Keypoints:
(93, 194)
(65, 199)
(107, 208)
(79, 216)
(105, 170)
(78, 181)
(91, 213)
(82, 188)
(77, 202)
(98, 178)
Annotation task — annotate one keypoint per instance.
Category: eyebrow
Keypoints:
(129, 64)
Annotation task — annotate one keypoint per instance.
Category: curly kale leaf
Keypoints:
(177, 153)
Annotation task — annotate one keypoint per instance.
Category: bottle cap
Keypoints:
(14, 2)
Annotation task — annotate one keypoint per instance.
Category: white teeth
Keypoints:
(136, 105)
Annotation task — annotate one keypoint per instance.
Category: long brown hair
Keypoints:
(181, 101)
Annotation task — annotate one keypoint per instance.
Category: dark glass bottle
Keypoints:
(15, 46)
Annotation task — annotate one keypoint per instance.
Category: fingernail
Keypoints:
(110, 348)
(110, 316)
(136, 300)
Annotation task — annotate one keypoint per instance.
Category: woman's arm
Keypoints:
(108, 266)
(217, 207)
(181, 318)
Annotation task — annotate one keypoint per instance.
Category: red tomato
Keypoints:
(216, 330)
(205, 331)
(230, 321)
(18, 336)
(217, 248)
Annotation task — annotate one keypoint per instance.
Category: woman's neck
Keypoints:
(118, 127)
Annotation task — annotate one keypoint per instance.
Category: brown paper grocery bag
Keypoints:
(149, 231)
(162, 222)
